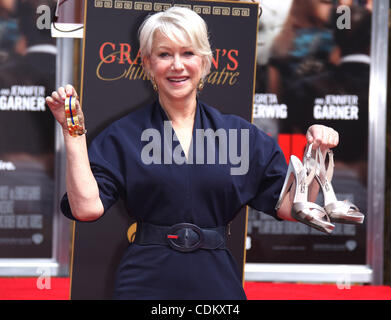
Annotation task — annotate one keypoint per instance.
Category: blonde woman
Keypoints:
(182, 209)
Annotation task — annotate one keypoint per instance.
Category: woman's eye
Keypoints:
(189, 53)
(163, 54)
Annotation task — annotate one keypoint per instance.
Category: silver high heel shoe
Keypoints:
(338, 211)
(303, 211)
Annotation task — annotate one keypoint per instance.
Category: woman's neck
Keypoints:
(179, 111)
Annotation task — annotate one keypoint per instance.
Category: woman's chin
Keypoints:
(180, 94)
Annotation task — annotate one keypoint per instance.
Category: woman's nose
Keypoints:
(177, 63)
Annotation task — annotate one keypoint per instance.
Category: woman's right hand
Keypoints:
(82, 188)
(56, 103)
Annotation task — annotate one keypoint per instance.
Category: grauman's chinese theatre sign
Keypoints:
(121, 60)
(116, 62)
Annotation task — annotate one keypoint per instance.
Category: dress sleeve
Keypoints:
(106, 161)
(267, 172)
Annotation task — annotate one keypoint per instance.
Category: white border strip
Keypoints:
(315, 273)
(377, 138)
(28, 267)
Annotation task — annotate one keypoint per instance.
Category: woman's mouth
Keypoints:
(177, 79)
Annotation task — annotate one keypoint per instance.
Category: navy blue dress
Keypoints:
(207, 195)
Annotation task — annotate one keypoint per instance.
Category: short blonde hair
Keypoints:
(178, 24)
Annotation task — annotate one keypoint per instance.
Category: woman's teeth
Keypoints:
(177, 80)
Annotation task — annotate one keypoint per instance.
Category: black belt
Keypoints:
(184, 237)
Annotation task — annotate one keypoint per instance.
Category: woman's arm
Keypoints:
(81, 186)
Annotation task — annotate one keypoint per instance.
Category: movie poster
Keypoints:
(27, 76)
(313, 68)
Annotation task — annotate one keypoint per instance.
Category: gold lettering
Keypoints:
(212, 77)
(133, 72)
(222, 77)
(233, 78)
(221, 74)
(99, 71)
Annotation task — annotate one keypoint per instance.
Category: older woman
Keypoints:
(182, 209)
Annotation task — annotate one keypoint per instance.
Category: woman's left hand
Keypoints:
(322, 136)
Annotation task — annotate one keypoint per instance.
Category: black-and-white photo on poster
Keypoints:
(313, 68)
(27, 76)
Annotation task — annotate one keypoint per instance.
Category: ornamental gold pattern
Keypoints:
(158, 6)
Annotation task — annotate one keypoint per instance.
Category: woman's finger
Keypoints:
(69, 90)
(318, 135)
(61, 92)
(56, 97)
(330, 141)
(309, 137)
(310, 134)
(50, 101)
(322, 136)
(336, 139)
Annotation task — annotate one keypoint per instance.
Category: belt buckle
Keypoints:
(172, 236)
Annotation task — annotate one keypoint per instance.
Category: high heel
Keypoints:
(303, 211)
(338, 211)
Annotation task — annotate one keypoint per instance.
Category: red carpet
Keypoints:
(58, 289)
(28, 289)
(291, 291)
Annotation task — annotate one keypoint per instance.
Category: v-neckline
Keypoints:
(195, 126)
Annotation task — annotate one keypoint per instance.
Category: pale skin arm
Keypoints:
(325, 138)
(81, 186)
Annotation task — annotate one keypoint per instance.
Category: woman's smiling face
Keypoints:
(175, 67)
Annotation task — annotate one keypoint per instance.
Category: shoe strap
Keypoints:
(311, 209)
(323, 171)
(308, 169)
(342, 207)
(314, 159)
(310, 163)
